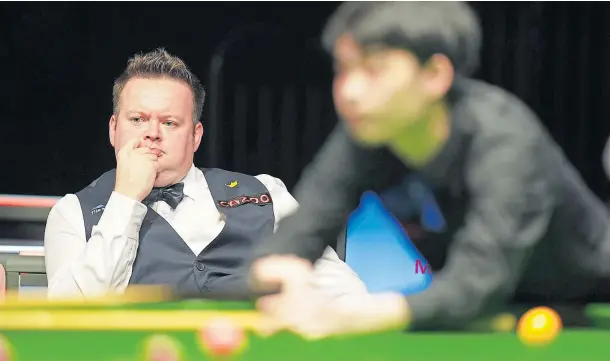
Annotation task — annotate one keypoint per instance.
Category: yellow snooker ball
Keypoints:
(539, 326)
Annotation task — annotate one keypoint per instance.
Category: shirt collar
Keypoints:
(195, 184)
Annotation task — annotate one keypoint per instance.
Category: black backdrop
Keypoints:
(58, 61)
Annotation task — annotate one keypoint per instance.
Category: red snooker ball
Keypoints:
(223, 338)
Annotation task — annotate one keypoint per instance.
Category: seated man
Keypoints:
(520, 223)
(157, 219)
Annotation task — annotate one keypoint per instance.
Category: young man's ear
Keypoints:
(438, 75)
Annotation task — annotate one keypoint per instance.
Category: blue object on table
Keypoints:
(379, 250)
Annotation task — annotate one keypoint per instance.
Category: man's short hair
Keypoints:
(160, 64)
(424, 28)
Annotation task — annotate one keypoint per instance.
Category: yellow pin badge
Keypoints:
(232, 184)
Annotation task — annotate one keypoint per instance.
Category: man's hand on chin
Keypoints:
(299, 308)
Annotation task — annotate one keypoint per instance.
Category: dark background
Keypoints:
(269, 105)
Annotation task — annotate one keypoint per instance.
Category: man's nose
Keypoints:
(153, 130)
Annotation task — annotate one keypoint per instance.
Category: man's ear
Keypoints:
(198, 134)
(112, 129)
(438, 75)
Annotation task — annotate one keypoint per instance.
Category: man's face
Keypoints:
(378, 92)
(159, 112)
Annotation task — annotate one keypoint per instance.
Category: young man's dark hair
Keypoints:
(424, 28)
(519, 220)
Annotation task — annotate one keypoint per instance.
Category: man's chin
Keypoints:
(368, 139)
(366, 134)
(163, 180)
(168, 177)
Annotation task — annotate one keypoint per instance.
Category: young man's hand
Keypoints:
(299, 308)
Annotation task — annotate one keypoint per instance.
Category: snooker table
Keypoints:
(121, 328)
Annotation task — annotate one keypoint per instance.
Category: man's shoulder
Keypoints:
(95, 195)
(506, 138)
(106, 180)
(65, 206)
(73, 201)
(491, 111)
(270, 181)
(496, 119)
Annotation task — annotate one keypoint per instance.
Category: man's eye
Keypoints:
(135, 119)
(169, 123)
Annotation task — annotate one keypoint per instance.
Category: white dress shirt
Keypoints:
(91, 268)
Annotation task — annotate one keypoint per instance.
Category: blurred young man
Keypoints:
(157, 219)
(520, 221)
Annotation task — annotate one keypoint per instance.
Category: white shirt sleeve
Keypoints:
(77, 267)
(284, 203)
(332, 276)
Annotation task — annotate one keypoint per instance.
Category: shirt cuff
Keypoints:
(122, 216)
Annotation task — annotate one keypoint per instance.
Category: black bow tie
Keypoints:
(172, 195)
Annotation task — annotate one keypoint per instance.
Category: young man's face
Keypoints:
(379, 92)
(159, 112)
